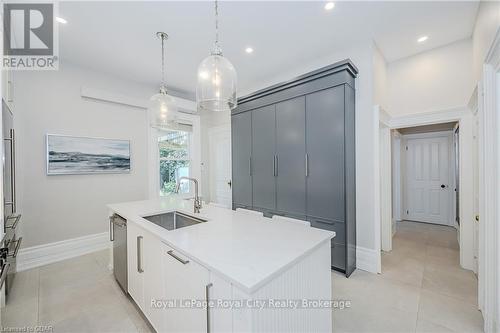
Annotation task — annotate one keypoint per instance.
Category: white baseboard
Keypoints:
(41, 255)
(367, 259)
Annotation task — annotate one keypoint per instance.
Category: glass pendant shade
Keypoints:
(216, 89)
(163, 111)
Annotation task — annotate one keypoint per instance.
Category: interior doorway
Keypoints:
(425, 239)
(427, 170)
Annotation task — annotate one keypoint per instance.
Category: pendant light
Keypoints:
(216, 89)
(162, 108)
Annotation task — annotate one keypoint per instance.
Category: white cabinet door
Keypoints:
(221, 317)
(135, 263)
(153, 282)
(186, 282)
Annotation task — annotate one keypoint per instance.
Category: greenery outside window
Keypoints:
(174, 150)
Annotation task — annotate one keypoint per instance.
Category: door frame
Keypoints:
(464, 118)
(487, 99)
(451, 181)
(211, 175)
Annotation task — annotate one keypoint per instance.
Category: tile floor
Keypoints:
(422, 289)
(75, 295)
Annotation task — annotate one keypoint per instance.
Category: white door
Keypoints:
(427, 188)
(220, 165)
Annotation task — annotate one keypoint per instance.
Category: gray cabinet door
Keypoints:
(241, 136)
(290, 154)
(263, 157)
(325, 150)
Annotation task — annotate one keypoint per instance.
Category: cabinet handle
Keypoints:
(172, 254)
(307, 165)
(139, 254)
(207, 298)
(250, 166)
(276, 165)
(111, 234)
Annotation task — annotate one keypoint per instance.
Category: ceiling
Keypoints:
(119, 37)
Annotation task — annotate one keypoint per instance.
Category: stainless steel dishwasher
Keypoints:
(118, 235)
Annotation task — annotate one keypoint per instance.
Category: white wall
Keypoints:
(485, 29)
(379, 79)
(367, 209)
(435, 80)
(56, 208)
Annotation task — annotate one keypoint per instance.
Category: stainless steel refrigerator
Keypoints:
(10, 242)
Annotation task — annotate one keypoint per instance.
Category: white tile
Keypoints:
(372, 317)
(22, 303)
(424, 326)
(449, 312)
(451, 281)
(403, 268)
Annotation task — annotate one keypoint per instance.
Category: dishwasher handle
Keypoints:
(111, 227)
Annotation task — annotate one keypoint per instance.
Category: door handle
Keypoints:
(229, 183)
(443, 185)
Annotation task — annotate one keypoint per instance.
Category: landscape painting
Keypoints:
(69, 155)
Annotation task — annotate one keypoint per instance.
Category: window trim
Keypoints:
(154, 158)
(189, 158)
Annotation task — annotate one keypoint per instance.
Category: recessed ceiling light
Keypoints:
(422, 39)
(329, 5)
(61, 20)
(249, 50)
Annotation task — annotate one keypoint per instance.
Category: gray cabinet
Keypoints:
(241, 140)
(264, 158)
(291, 157)
(325, 151)
(302, 145)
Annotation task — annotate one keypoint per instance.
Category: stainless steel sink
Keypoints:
(174, 220)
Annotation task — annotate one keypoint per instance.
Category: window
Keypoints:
(174, 152)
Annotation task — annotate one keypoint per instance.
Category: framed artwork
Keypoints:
(72, 155)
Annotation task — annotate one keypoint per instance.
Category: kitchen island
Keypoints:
(256, 274)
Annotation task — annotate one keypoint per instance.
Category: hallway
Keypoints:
(421, 289)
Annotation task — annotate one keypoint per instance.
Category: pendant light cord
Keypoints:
(216, 22)
(162, 61)
(217, 50)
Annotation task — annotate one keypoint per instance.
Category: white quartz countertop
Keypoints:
(247, 250)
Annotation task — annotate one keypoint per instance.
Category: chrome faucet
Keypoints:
(197, 201)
